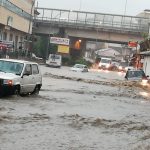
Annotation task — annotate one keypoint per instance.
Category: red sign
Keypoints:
(132, 44)
(4, 45)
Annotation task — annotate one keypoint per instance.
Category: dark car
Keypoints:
(135, 75)
(124, 66)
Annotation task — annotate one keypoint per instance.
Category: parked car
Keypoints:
(19, 77)
(136, 75)
(79, 68)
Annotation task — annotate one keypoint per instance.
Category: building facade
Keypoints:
(15, 23)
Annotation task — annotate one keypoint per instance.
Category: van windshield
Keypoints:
(55, 56)
(105, 61)
(11, 67)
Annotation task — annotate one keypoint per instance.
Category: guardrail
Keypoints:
(93, 20)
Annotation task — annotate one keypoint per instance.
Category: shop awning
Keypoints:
(146, 53)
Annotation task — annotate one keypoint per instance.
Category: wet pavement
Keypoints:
(77, 111)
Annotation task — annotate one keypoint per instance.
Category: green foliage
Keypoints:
(52, 48)
(40, 46)
(145, 35)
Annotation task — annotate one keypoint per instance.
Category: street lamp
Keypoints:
(125, 7)
(80, 5)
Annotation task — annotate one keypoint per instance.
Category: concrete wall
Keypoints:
(18, 22)
(23, 4)
(146, 65)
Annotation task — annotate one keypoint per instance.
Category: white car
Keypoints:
(79, 68)
(19, 77)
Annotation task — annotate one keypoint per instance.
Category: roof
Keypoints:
(80, 64)
(19, 61)
(109, 52)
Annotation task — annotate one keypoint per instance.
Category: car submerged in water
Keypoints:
(79, 68)
(124, 66)
(19, 77)
(136, 75)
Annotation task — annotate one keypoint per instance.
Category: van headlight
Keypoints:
(144, 82)
(120, 67)
(8, 82)
(108, 65)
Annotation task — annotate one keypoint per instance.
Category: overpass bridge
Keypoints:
(83, 25)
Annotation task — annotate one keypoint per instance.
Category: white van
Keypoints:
(54, 60)
(105, 63)
(19, 77)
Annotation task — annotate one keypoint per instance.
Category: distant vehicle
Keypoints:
(124, 66)
(114, 65)
(136, 75)
(79, 68)
(105, 63)
(54, 60)
(19, 77)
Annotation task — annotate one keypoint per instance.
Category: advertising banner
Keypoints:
(63, 49)
(6, 44)
(59, 41)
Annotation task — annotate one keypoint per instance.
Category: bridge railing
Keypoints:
(93, 20)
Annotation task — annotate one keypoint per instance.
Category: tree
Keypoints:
(41, 46)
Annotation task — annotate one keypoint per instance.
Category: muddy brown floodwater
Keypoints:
(76, 111)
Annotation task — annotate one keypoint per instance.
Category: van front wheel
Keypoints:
(17, 90)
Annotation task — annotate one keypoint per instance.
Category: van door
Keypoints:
(37, 78)
(27, 83)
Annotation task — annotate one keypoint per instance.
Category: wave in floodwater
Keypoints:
(113, 83)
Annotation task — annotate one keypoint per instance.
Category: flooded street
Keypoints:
(77, 111)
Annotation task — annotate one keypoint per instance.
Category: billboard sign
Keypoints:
(59, 41)
(63, 49)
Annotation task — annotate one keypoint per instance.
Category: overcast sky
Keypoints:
(133, 7)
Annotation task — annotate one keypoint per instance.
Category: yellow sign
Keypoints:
(63, 49)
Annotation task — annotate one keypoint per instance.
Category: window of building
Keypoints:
(11, 37)
(4, 36)
(16, 42)
(0, 35)
(9, 21)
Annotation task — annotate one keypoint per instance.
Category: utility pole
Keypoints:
(29, 29)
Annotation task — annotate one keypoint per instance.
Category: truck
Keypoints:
(105, 63)
(54, 60)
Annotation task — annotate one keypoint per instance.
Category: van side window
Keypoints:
(35, 69)
(28, 69)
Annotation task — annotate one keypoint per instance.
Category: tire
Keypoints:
(17, 90)
(36, 90)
